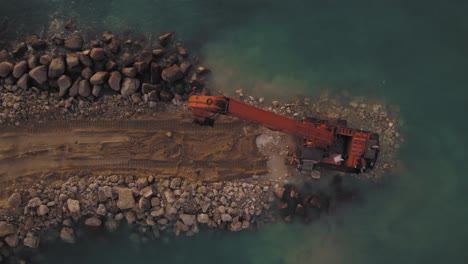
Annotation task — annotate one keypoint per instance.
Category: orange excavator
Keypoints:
(324, 145)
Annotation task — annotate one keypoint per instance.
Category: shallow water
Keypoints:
(410, 53)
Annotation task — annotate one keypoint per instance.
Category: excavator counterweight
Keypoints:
(333, 146)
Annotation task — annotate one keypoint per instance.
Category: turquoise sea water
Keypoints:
(410, 53)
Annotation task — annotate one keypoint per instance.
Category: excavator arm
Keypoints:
(205, 107)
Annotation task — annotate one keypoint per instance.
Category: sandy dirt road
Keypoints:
(162, 147)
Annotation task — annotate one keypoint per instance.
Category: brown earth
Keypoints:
(166, 147)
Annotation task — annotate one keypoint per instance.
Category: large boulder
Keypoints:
(4, 56)
(182, 50)
(172, 74)
(72, 60)
(31, 241)
(188, 219)
(67, 234)
(39, 44)
(6, 229)
(203, 218)
(32, 61)
(148, 87)
(20, 50)
(23, 81)
(73, 205)
(99, 78)
(42, 210)
(64, 83)
(93, 222)
(96, 91)
(84, 89)
(87, 73)
(5, 69)
(56, 67)
(129, 86)
(14, 201)
(45, 59)
(74, 43)
(97, 54)
(129, 72)
(34, 202)
(165, 38)
(166, 95)
(114, 46)
(73, 91)
(185, 66)
(39, 74)
(126, 200)
(85, 60)
(19, 69)
(114, 80)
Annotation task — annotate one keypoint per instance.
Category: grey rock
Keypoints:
(45, 59)
(85, 60)
(136, 98)
(4, 56)
(182, 50)
(56, 67)
(73, 91)
(144, 204)
(203, 218)
(114, 81)
(129, 86)
(157, 213)
(185, 66)
(72, 60)
(188, 219)
(74, 43)
(87, 73)
(148, 87)
(166, 95)
(12, 240)
(226, 217)
(34, 202)
(67, 235)
(23, 82)
(6, 229)
(99, 78)
(84, 88)
(97, 54)
(155, 201)
(169, 195)
(101, 210)
(5, 69)
(153, 96)
(172, 74)
(14, 201)
(279, 192)
(19, 69)
(31, 241)
(93, 222)
(96, 90)
(42, 210)
(129, 72)
(39, 44)
(32, 61)
(155, 73)
(64, 83)
(73, 205)
(126, 200)
(175, 183)
(165, 38)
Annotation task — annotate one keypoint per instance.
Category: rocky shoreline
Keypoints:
(67, 78)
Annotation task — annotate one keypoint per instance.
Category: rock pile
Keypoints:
(78, 69)
(150, 204)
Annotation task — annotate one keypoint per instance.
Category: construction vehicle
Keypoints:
(325, 144)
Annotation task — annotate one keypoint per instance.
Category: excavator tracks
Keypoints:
(132, 125)
(222, 152)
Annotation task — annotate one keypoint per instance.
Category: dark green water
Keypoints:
(410, 53)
